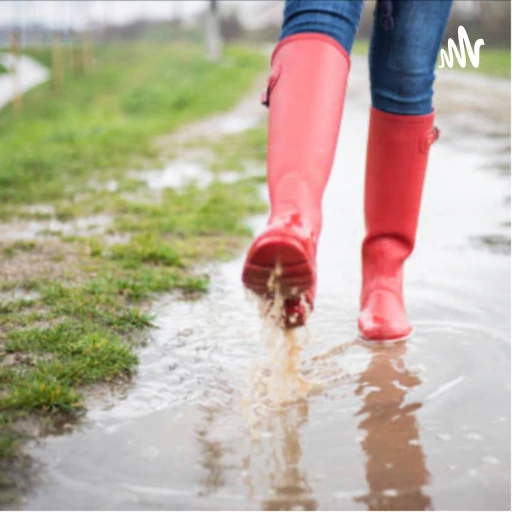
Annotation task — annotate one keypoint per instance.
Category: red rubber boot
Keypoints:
(396, 162)
(305, 95)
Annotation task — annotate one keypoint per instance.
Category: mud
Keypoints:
(422, 425)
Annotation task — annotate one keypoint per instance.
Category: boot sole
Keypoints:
(382, 342)
(297, 273)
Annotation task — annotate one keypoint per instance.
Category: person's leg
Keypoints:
(407, 37)
(305, 95)
(406, 40)
(338, 19)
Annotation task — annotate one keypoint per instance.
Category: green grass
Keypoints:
(18, 245)
(236, 151)
(3, 69)
(360, 47)
(89, 296)
(493, 61)
(107, 120)
(44, 55)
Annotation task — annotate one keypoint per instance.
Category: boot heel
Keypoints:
(284, 255)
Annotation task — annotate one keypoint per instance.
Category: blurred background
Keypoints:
(63, 34)
(35, 24)
(257, 20)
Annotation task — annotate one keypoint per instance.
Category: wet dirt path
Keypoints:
(29, 73)
(417, 426)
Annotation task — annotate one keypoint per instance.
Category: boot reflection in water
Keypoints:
(395, 467)
(305, 96)
(288, 482)
(211, 453)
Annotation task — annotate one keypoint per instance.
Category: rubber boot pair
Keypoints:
(305, 95)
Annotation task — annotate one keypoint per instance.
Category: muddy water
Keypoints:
(424, 425)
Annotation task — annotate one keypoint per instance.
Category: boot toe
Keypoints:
(383, 318)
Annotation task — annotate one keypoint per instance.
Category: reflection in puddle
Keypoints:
(395, 464)
(288, 486)
(211, 454)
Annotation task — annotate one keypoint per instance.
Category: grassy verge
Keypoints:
(360, 47)
(73, 306)
(493, 61)
(107, 120)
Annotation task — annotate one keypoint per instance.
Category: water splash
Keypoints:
(275, 381)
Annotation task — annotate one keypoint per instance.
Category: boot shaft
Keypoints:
(396, 163)
(305, 95)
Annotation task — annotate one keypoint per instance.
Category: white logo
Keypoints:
(474, 55)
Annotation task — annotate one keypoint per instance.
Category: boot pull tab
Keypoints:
(429, 138)
(271, 82)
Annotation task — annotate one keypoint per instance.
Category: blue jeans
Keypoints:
(406, 39)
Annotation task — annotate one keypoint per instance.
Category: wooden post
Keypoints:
(88, 51)
(57, 61)
(87, 39)
(213, 34)
(76, 55)
(15, 71)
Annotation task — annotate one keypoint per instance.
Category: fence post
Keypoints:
(57, 63)
(15, 71)
(213, 34)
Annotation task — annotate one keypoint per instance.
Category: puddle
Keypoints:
(422, 425)
(18, 294)
(223, 124)
(182, 172)
(36, 229)
(177, 174)
(43, 209)
(230, 124)
(109, 185)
